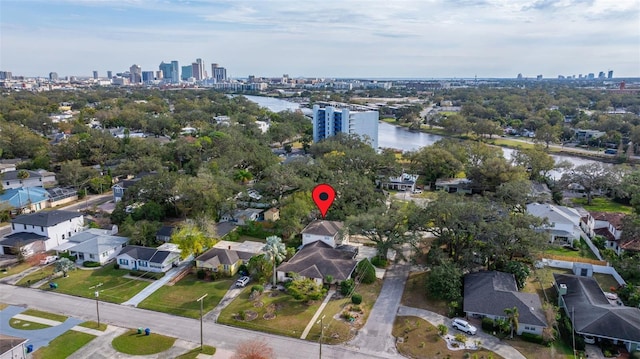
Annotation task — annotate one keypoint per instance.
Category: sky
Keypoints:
(324, 38)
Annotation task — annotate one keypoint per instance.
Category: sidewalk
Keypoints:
(228, 297)
(151, 288)
(313, 320)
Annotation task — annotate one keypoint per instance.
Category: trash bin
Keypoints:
(29, 348)
(147, 331)
(139, 330)
(53, 285)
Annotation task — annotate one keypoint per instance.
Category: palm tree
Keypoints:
(512, 318)
(23, 175)
(243, 176)
(276, 251)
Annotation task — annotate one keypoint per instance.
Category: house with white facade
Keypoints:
(609, 226)
(563, 222)
(96, 245)
(329, 232)
(148, 259)
(51, 228)
(12, 180)
(404, 182)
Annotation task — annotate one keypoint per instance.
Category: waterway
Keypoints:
(390, 136)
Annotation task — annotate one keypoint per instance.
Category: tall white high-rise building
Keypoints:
(329, 121)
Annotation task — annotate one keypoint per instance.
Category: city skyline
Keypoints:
(375, 39)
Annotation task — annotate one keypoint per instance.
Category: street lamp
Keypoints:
(321, 334)
(201, 300)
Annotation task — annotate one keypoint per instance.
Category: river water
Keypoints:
(390, 136)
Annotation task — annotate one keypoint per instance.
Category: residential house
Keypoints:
(96, 245)
(52, 228)
(454, 185)
(272, 214)
(12, 180)
(148, 259)
(318, 260)
(164, 233)
(329, 232)
(404, 182)
(12, 347)
(563, 222)
(584, 136)
(242, 216)
(609, 226)
(593, 314)
(6, 167)
(226, 257)
(25, 200)
(488, 294)
(120, 187)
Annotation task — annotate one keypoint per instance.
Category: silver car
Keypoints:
(464, 326)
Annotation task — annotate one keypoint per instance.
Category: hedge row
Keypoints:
(147, 275)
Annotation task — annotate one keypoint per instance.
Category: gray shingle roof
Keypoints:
(323, 228)
(21, 238)
(217, 256)
(46, 218)
(593, 313)
(318, 259)
(492, 292)
(149, 254)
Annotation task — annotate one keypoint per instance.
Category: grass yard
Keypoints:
(18, 268)
(557, 350)
(421, 341)
(291, 316)
(45, 315)
(63, 346)
(180, 299)
(415, 295)
(541, 281)
(606, 281)
(337, 330)
(583, 252)
(506, 142)
(140, 344)
(43, 273)
(26, 325)
(115, 287)
(192, 354)
(602, 204)
(94, 325)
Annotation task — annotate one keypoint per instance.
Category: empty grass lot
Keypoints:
(63, 346)
(115, 287)
(602, 204)
(180, 299)
(583, 252)
(337, 330)
(416, 295)
(557, 350)
(140, 344)
(421, 341)
(292, 316)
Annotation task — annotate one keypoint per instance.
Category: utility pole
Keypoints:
(97, 294)
(321, 334)
(201, 300)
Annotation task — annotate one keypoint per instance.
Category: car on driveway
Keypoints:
(464, 326)
(48, 260)
(242, 281)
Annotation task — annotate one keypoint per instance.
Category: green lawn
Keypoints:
(603, 204)
(292, 316)
(63, 346)
(18, 268)
(94, 325)
(140, 344)
(45, 315)
(584, 252)
(192, 354)
(115, 288)
(180, 299)
(606, 281)
(36, 276)
(26, 325)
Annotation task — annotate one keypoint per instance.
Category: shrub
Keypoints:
(460, 338)
(366, 272)
(90, 264)
(147, 275)
(533, 338)
(257, 288)
(116, 266)
(356, 298)
(200, 274)
(442, 329)
(346, 286)
(379, 262)
(488, 324)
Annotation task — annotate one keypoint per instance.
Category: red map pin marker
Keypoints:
(323, 196)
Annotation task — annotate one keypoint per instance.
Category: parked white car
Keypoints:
(242, 281)
(48, 259)
(464, 326)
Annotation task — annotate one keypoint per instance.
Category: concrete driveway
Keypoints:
(39, 337)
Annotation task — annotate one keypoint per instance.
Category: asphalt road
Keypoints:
(217, 335)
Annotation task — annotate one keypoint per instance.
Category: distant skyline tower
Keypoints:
(198, 70)
(218, 73)
(175, 72)
(187, 72)
(329, 121)
(53, 76)
(109, 75)
(519, 76)
(610, 74)
(147, 77)
(95, 74)
(601, 74)
(170, 71)
(135, 74)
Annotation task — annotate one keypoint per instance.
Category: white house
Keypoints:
(609, 226)
(404, 182)
(11, 179)
(96, 245)
(148, 259)
(564, 222)
(329, 232)
(52, 227)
